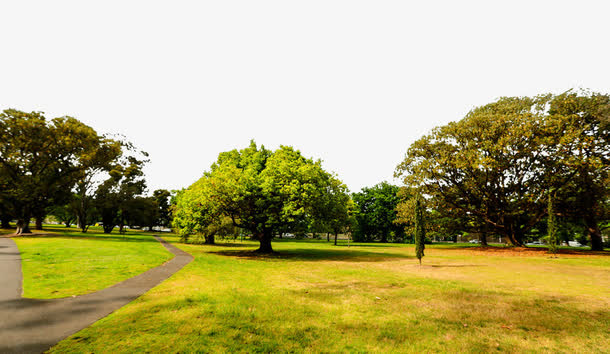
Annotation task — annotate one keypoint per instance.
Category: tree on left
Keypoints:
(41, 161)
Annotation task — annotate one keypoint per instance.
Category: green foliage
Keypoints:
(116, 197)
(63, 213)
(420, 229)
(162, 197)
(330, 214)
(585, 198)
(41, 160)
(552, 227)
(375, 214)
(262, 191)
(496, 165)
(101, 161)
(195, 211)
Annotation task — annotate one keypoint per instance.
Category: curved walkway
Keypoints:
(34, 325)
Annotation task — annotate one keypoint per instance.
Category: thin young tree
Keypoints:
(552, 227)
(420, 232)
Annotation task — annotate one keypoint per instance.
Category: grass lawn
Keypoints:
(317, 297)
(69, 262)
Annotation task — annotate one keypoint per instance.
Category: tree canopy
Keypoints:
(260, 190)
(375, 214)
(40, 160)
(497, 165)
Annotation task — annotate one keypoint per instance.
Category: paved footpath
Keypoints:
(33, 325)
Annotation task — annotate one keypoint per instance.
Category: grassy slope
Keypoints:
(72, 263)
(316, 297)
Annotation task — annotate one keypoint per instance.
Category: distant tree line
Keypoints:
(517, 168)
(64, 168)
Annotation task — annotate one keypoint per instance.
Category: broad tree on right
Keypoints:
(498, 164)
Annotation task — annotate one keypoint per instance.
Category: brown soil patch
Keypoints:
(528, 252)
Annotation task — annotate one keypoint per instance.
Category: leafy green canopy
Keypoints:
(420, 229)
(41, 160)
(375, 214)
(261, 191)
(552, 227)
(497, 164)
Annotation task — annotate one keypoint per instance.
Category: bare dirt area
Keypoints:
(527, 252)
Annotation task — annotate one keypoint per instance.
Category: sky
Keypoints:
(352, 83)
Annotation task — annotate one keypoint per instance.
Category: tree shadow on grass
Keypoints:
(304, 254)
(219, 244)
(378, 245)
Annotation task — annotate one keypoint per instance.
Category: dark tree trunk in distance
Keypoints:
(209, 239)
(483, 238)
(336, 234)
(594, 233)
(265, 243)
(23, 226)
(6, 224)
(39, 222)
(328, 237)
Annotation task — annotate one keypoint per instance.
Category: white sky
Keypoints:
(353, 83)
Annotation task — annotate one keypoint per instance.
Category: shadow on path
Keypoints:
(34, 325)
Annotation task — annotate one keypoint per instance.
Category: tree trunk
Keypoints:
(209, 239)
(108, 228)
(594, 233)
(455, 239)
(23, 226)
(39, 222)
(514, 236)
(6, 224)
(265, 243)
(336, 234)
(483, 238)
(328, 237)
(81, 224)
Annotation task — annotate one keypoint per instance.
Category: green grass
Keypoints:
(316, 297)
(71, 263)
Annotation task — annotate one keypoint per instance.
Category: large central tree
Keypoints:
(262, 190)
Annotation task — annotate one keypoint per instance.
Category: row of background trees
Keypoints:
(64, 168)
(491, 173)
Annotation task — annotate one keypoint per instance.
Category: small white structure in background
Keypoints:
(575, 244)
